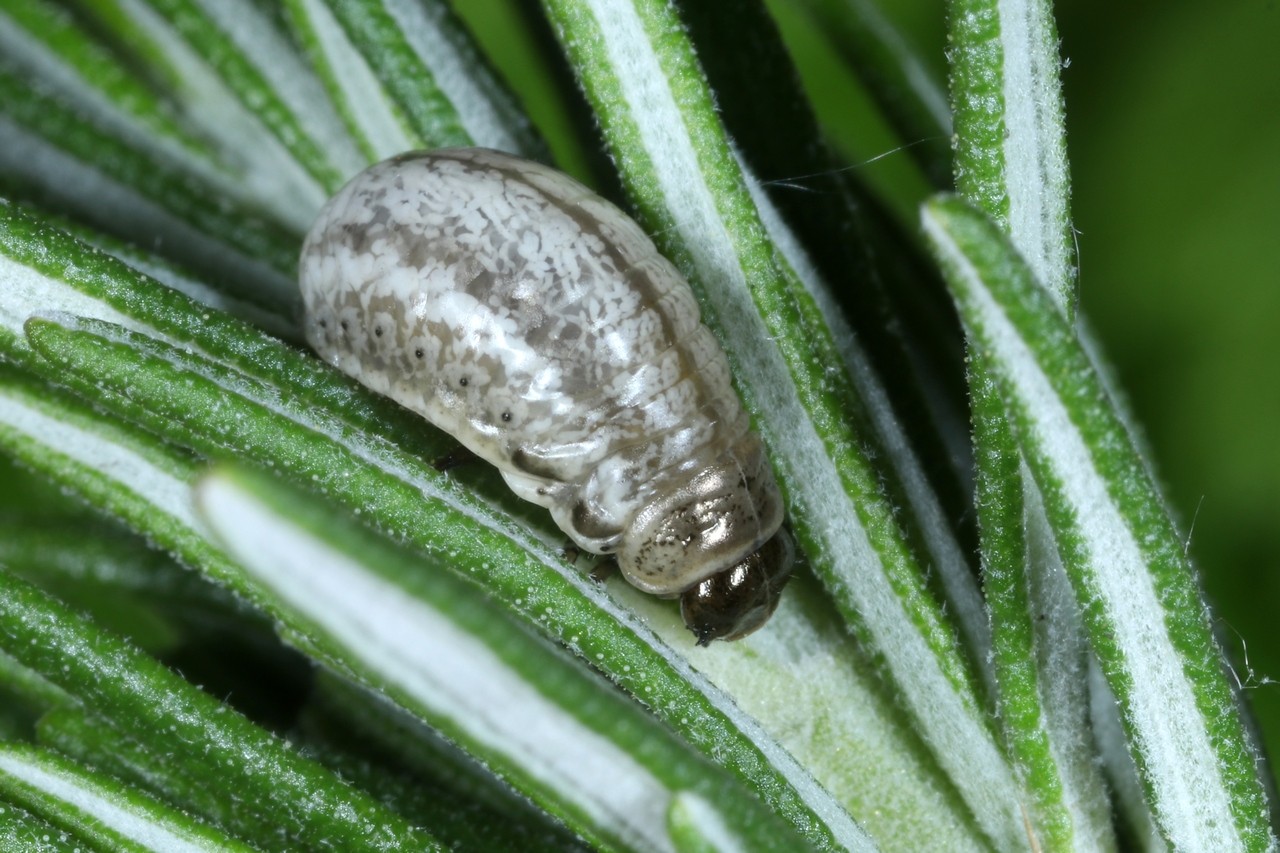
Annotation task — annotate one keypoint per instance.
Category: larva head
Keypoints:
(716, 540)
(733, 603)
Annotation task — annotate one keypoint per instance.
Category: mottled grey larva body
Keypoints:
(535, 322)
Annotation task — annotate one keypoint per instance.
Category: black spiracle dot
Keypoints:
(377, 331)
(506, 417)
(464, 382)
(324, 324)
(343, 324)
(418, 353)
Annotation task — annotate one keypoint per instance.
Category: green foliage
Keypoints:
(396, 657)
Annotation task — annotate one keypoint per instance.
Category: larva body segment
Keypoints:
(536, 323)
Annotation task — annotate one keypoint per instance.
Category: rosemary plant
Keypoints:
(241, 609)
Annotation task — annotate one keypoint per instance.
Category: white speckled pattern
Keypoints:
(535, 322)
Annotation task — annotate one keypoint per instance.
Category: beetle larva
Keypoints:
(536, 323)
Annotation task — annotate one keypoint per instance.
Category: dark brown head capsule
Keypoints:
(737, 601)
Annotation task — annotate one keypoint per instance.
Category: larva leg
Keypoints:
(605, 566)
(604, 569)
(453, 458)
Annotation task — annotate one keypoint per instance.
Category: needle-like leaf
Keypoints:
(1142, 608)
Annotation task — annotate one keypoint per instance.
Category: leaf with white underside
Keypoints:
(405, 76)
(115, 466)
(1041, 659)
(212, 138)
(1010, 143)
(1142, 608)
(51, 153)
(237, 77)
(940, 543)
(272, 320)
(407, 765)
(537, 716)
(889, 423)
(231, 389)
(197, 402)
(99, 809)
(659, 119)
(379, 125)
(1132, 810)
(48, 43)
(282, 796)
(1010, 161)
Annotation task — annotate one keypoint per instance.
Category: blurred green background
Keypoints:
(1173, 111)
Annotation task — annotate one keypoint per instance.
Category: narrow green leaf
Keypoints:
(1040, 655)
(27, 493)
(1142, 608)
(24, 697)
(1011, 161)
(129, 588)
(89, 739)
(856, 288)
(660, 121)
(416, 772)
(378, 124)
(241, 80)
(67, 440)
(72, 166)
(281, 795)
(271, 316)
(406, 75)
(536, 716)
(1010, 133)
(99, 555)
(204, 405)
(23, 832)
(99, 808)
(44, 39)
(95, 742)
